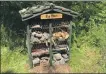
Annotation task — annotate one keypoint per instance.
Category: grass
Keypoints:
(12, 61)
(85, 59)
(89, 51)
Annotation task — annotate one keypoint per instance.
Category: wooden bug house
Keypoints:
(48, 33)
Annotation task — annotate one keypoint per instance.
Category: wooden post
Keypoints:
(70, 33)
(50, 50)
(29, 47)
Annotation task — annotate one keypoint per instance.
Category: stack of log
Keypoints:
(38, 37)
(39, 52)
(58, 58)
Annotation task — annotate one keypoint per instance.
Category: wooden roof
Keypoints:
(31, 12)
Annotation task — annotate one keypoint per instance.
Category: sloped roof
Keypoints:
(31, 12)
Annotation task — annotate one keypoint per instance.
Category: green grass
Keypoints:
(88, 53)
(85, 59)
(13, 61)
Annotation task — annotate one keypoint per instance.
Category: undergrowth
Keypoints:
(13, 61)
(88, 52)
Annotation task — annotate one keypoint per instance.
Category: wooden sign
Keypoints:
(51, 16)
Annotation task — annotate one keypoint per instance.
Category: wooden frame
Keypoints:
(66, 14)
(29, 47)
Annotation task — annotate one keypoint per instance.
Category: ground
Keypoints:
(54, 69)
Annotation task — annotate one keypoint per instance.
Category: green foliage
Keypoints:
(11, 39)
(3, 35)
(85, 59)
(89, 37)
(88, 52)
(13, 61)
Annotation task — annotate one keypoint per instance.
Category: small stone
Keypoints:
(46, 35)
(44, 61)
(66, 60)
(38, 34)
(64, 55)
(45, 58)
(36, 61)
(62, 61)
(58, 62)
(57, 56)
(58, 59)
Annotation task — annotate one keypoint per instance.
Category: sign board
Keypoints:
(51, 16)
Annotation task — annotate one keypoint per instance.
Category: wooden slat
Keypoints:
(29, 47)
(70, 32)
(50, 50)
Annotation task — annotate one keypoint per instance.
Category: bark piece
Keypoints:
(39, 52)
